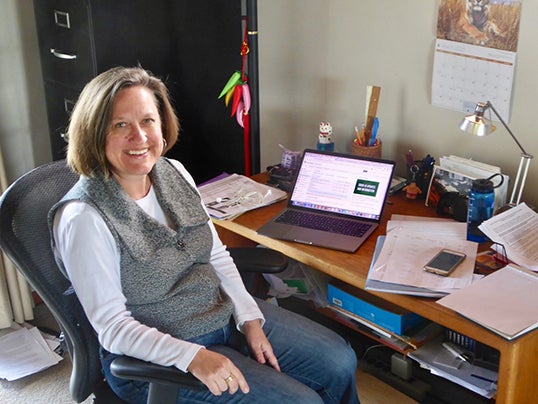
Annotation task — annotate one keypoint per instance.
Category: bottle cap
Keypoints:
(482, 185)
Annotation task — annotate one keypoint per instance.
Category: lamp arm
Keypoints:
(489, 105)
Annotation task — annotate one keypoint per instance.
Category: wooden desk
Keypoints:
(518, 366)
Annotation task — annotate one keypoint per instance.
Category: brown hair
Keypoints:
(89, 123)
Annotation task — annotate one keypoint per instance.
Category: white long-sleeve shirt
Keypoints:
(92, 261)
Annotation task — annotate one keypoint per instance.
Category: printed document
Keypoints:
(409, 245)
(231, 195)
(517, 230)
(25, 351)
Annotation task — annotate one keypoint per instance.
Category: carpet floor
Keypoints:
(51, 386)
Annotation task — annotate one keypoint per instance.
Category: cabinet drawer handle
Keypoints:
(61, 18)
(61, 55)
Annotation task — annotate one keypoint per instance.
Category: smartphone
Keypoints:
(444, 262)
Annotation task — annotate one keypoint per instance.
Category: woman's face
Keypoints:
(134, 141)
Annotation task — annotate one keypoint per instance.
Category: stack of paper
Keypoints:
(441, 362)
(228, 196)
(408, 342)
(456, 174)
(505, 302)
(517, 230)
(397, 266)
(25, 351)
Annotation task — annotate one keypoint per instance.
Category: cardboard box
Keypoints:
(371, 308)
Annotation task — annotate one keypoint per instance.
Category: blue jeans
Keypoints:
(317, 365)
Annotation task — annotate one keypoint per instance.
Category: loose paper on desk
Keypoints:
(505, 301)
(388, 287)
(409, 245)
(232, 195)
(517, 230)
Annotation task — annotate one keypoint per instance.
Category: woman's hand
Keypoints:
(259, 345)
(217, 372)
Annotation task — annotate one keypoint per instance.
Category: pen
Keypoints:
(358, 134)
(409, 158)
(450, 348)
(375, 128)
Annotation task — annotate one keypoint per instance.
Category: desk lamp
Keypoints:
(478, 125)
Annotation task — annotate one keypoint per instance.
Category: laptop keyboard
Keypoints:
(325, 223)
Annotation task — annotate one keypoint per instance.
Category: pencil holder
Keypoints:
(367, 151)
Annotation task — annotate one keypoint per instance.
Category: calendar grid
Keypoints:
(465, 74)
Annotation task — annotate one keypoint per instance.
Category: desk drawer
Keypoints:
(60, 103)
(65, 41)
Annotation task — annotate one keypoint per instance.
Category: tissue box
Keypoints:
(384, 314)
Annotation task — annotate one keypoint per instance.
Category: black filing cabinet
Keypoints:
(192, 45)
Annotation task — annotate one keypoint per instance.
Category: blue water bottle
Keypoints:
(481, 206)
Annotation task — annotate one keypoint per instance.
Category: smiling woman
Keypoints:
(163, 287)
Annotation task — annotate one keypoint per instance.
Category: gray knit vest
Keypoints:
(165, 273)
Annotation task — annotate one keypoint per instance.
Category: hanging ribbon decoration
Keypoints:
(237, 91)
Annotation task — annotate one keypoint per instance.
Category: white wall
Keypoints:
(318, 56)
(23, 124)
(293, 47)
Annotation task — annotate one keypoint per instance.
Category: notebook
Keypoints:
(336, 201)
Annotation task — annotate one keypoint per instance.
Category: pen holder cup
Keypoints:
(367, 151)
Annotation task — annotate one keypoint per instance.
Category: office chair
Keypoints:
(25, 239)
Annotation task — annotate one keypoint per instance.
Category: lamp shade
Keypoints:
(476, 124)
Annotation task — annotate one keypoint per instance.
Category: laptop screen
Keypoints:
(345, 184)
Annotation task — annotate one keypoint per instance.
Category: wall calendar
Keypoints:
(475, 54)
(466, 74)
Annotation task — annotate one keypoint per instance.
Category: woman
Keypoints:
(152, 275)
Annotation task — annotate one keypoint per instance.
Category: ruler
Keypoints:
(372, 100)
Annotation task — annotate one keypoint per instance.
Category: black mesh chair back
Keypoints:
(25, 239)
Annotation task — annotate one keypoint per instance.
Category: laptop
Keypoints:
(336, 201)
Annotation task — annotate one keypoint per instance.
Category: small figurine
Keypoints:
(325, 133)
(325, 141)
(412, 191)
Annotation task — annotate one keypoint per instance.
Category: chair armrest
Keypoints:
(126, 367)
(261, 260)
